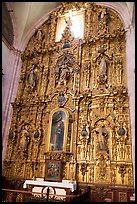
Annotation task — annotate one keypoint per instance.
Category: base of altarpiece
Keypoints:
(59, 188)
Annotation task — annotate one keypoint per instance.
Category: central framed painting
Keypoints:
(53, 170)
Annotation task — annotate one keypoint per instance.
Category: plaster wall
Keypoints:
(11, 64)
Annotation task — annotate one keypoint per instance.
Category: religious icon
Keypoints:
(53, 170)
(57, 131)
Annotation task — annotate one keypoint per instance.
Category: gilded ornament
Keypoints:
(122, 171)
(121, 131)
(102, 192)
(36, 134)
(11, 135)
(85, 78)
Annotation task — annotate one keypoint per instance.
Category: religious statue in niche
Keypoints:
(103, 19)
(63, 72)
(69, 25)
(24, 141)
(32, 79)
(68, 22)
(102, 71)
(103, 16)
(57, 131)
(102, 136)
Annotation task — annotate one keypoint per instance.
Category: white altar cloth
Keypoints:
(64, 184)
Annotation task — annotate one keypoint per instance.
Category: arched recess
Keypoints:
(60, 130)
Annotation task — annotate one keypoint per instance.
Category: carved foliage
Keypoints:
(102, 192)
(102, 168)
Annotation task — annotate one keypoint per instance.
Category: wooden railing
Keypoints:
(10, 195)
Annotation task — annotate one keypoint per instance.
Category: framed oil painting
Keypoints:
(53, 170)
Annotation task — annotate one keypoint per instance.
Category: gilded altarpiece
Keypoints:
(85, 79)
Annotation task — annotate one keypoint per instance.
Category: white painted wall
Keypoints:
(5, 58)
(11, 64)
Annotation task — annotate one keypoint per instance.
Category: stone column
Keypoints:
(9, 88)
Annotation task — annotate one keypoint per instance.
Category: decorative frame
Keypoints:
(53, 170)
(122, 197)
(66, 124)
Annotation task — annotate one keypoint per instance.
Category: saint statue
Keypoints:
(57, 132)
(102, 67)
(24, 141)
(31, 79)
(102, 138)
(68, 22)
(102, 72)
(103, 16)
(64, 74)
